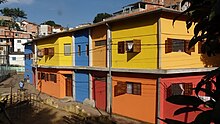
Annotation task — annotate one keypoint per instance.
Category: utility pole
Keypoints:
(109, 82)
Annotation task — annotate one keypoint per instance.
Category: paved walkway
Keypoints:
(62, 104)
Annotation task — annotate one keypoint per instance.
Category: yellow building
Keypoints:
(51, 50)
(54, 54)
(148, 40)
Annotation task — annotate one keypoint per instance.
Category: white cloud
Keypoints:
(20, 1)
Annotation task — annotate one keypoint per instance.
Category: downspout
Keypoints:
(73, 64)
(158, 67)
(109, 64)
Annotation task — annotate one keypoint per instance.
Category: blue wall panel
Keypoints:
(81, 40)
(28, 63)
(82, 86)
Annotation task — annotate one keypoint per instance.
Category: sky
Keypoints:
(68, 13)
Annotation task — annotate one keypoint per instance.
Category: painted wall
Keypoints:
(141, 107)
(16, 60)
(98, 35)
(142, 28)
(167, 109)
(81, 86)
(58, 59)
(57, 89)
(28, 63)
(81, 40)
(175, 60)
(18, 45)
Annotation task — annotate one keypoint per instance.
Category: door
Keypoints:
(82, 86)
(100, 93)
(69, 85)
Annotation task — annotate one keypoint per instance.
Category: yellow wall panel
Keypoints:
(141, 28)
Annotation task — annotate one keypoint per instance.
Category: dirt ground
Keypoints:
(24, 110)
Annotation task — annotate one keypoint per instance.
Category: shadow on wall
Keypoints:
(213, 61)
(130, 55)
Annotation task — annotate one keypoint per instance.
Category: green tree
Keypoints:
(3, 1)
(15, 13)
(205, 14)
(99, 17)
(51, 23)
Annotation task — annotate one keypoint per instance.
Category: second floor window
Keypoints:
(67, 49)
(178, 45)
(79, 50)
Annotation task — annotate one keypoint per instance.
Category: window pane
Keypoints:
(67, 49)
(129, 88)
(79, 50)
(177, 45)
(100, 43)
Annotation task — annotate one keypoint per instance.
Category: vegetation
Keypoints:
(205, 14)
(99, 17)
(15, 13)
(3, 1)
(51, 23)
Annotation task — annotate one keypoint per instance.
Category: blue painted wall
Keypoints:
(81, 86)
(28, 63)
(82, 40)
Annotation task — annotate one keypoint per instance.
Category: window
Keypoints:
(19, 41)
(87, 50)
(1, 48)
(180, 89)
(79, 50)
(13, 58)
(178, 45)
(133, 46)
(53, 78)
(67, 49)
(127, 87)
(100, 43)
(19, 50)
(45, 51)
(121, 47)
(42, 76)
(51, 51)
(39, 75)
(129, 46)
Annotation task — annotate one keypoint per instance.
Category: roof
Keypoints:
(114, 19)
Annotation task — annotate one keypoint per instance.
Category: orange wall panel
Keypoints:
(141, 107)
(99, 52)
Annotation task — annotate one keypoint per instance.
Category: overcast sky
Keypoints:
(66, 12)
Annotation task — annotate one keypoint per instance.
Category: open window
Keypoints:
(178, 45)
(40, 53)
(133, 46)
(127, 88)
(180, 89)
(51, 51)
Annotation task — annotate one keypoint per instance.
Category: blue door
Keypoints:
(82, 86)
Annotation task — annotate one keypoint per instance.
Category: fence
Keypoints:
(20, 105)
(6, 71)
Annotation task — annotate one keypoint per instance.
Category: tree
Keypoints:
(15, 13)
(99, 17)
(51, 23)
(3, 1)
(205, 14)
